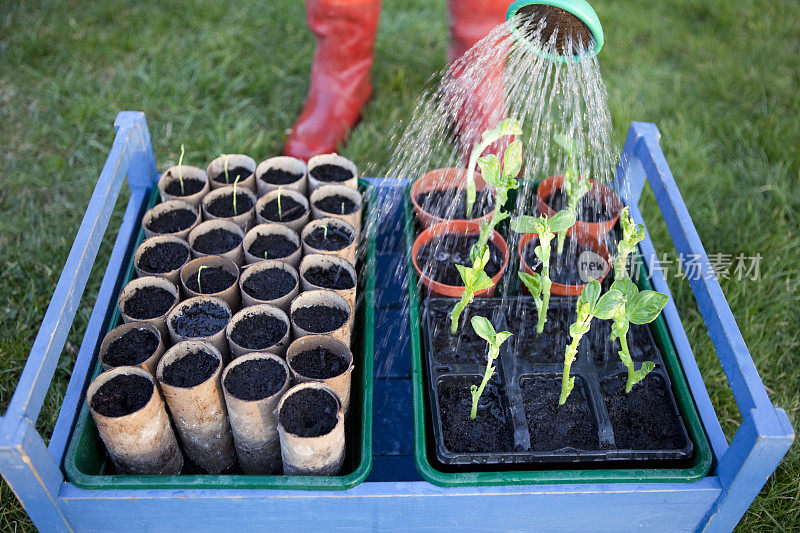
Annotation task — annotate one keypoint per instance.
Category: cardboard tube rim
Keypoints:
(230, 295)
(217, 167)
(324, 191)
(348, 252)
(218, 336)
(147, 281)
(331, 159)
(152, 242)
(324, 260)
(243, 220)
(118, 332)
(253, 356)
(267, 229)
(235, 254)
(187, 171)
(296, 224)
(279, 348)
(311, 385)
(323, 297)
(282, 162)
(170, 205)
(268, 264)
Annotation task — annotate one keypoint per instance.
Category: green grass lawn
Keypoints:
(719, 78)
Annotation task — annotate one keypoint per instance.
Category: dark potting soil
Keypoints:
(277, 176)
(290, 209)
(258, 331)
(489, 432)
(451, 204)
(201, 319)
(122, 395)
(269, 284)
(643, 419)
(164, 257)
(590, 208)
(564, 267)
(217, 241)
(148, 302)
(319, 363)
(233, 173)
(131, 349)
(255, 379)
(439, 256)
(320, 318)
(547, 347)
(275, 245)
(567, 26)
(190, 370)
(331, 173)
(335, 238)
(337, 204)
(334, 277)
(190, 186)
(172, 221)
(309, 413)
(212, 280)
(465, 346)
(552, 426)
(222, 206)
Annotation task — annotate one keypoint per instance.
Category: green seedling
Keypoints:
(325, 232)
(343, 208)
(475, 280)
(199, 270)
(507, 127)
(265, 254)
(227, 179)
(235, 183)
(280, 211)
(539, 283)
(590, 305)
(485, 330)
(574, 186)
(632, 234)
(180, 165)
(634, 307)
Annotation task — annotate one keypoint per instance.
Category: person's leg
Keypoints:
(345, 36)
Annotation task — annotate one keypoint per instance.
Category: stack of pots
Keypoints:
(238, 325)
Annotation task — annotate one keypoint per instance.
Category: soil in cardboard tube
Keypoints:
(190, 186)
(172, 221)
(148, 302)
(320, 318)
(255, 379)
(336, 204)
(190, 370)
(335, 238)
(122, 395)
(201, 319)
(334, 277)
(212, 280)
(269, 284)
(439, 256)
(217, 241)
(277, 176)
(564, 267)
(451, 203)
(333, 173)
(258, 331)
(309, 413)
(275, 245)
(163, 257)
(319, 363)
(237, 172)
(222, 206)
(290, 209)
(131, 349)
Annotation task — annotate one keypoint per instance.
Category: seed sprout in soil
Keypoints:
(180, 174)
(484, 329)
(507, 127)
(199, 270)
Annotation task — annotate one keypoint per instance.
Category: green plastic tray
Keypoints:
(87, 464)
(697, 469)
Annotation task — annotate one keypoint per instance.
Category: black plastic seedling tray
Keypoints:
(596, 424)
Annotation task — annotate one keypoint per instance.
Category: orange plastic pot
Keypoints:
(607, 197)
(588, 240)
(436, 180)
(458, 227)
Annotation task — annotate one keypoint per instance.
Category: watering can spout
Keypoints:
(568, 17)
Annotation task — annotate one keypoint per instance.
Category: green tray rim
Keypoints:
(701, 461)
(366, 314)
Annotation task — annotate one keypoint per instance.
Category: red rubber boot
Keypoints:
(345, 35)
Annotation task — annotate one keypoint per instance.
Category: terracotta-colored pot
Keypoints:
(174, 174)
(607, 197)
(460, 227)
(589, 240)
(285, 163)
(436, 180)
(217, 168)
(229, 295)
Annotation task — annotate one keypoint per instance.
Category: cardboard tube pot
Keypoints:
(315, 454)
(216, 169)
(111, 358)
(443, 179)
(276, 346)
(252, 403)
(348, 252)
(187, 315)
(604, 196)
(315, 183)
(326, 191)
(264, 230)
(325, 299)
(189, 274)
(235, 254)
(149, 247)
(282, 302)
(243, 217)
(296, 224)
(286, 164)
(339, 382)
(198, 408)
(129, 299)
(152, 216)
(328, 262)
(171, 179)
(141, 442)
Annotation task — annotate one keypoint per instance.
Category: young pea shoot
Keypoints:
(180, 168)
(265, 254)
(632, 234)
(633, 307)
(574, 186)
(325, 232)
(227, 179)
(507, 127)
(485, 330)
(199, 270)
(590, 305)
(475, 280)
(235, 183)
(343, 208)
(539, 283)
(280, 211)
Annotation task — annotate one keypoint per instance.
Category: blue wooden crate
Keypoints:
(393, 497)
